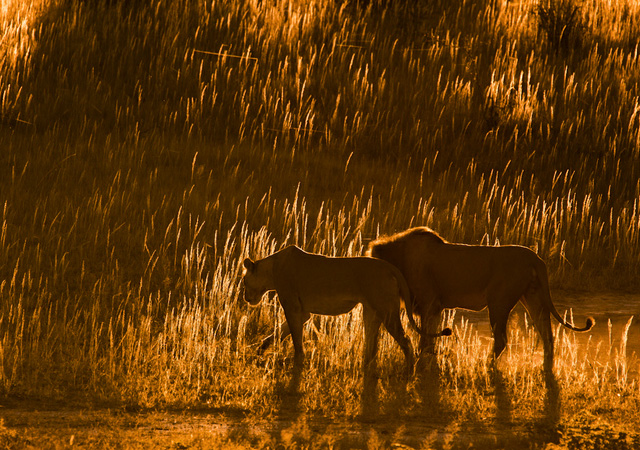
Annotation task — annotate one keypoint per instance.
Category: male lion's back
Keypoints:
(430, 263)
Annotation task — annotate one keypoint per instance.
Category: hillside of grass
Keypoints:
(147, 149)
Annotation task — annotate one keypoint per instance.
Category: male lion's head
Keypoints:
(255, 282)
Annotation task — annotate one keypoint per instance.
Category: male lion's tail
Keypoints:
(543, 279)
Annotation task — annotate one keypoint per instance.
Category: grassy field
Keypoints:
(146, 149)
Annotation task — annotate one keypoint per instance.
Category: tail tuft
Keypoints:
(590, 323)
(446, 332)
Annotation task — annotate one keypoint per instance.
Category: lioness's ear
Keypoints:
(249, 265)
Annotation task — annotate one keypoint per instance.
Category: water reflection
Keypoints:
(617, 308)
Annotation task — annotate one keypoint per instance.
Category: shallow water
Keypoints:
(603, 307)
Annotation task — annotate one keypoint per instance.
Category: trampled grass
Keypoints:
(147, 149)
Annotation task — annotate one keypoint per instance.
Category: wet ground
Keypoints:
(26, 427)
(617, 308)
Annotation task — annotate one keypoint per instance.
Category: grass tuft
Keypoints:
(561, 22)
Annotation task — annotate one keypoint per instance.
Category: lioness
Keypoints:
(308, 284)
(444, 275)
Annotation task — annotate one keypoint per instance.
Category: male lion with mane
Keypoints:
(308, 283)
(445, 275)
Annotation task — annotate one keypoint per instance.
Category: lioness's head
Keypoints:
(255, 282)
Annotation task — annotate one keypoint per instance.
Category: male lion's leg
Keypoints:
(499, 308)
(542, 321)
(533, 301)
(498, 317)
(430, 314)
(430, 319)
(427, 304)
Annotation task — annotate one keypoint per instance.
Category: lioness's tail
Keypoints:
(543, 278)
(405, 293)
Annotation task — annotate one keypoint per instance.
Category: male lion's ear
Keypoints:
(249, 265)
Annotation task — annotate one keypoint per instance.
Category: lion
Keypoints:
(308, 283)
(445, 275)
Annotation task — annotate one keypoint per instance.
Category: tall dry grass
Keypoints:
(148, 149)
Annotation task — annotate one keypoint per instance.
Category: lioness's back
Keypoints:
(319, 273)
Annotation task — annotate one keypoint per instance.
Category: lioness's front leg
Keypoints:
(295, 320)
(284, 332)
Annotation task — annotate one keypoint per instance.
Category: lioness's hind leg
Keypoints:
(371, 333)
(393, 325)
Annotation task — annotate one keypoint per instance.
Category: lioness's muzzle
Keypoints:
(251, 296)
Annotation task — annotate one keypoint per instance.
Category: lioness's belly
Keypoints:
(330, 293)
(328, 306)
